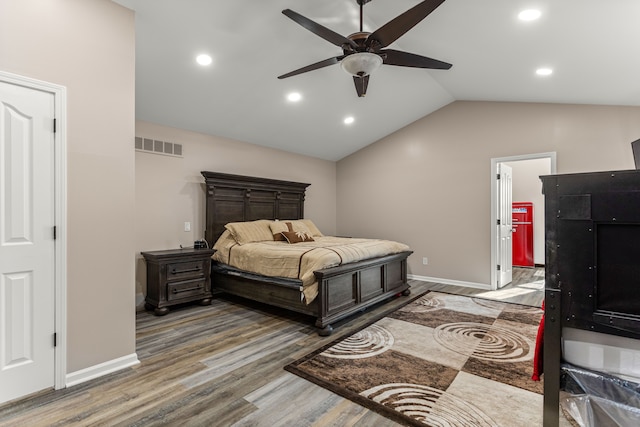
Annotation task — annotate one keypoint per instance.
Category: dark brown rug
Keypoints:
(441, 360)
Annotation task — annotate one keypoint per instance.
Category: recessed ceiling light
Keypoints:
(204, 59)
(294, 97)
(349, 120)
(544, 71)
(529, 15)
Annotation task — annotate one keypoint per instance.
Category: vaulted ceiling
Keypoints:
(592, 46)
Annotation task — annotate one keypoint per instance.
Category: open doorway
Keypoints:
(525, 187)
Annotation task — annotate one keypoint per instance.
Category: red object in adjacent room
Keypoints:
(522, 234)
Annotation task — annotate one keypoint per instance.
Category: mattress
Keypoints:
(611, 354)
(300, 260)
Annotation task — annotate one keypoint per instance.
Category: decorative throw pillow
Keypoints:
(277, 227)
(296, 237)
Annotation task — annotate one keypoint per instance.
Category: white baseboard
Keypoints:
(450, 282)
(96, 371)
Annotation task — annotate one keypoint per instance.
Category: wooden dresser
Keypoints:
(177, 276)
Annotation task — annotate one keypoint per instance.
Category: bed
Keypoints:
(342, 290)
(592, 277)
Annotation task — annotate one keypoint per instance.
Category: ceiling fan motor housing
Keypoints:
(359, 38)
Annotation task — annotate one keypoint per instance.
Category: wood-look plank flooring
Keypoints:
(222, 365)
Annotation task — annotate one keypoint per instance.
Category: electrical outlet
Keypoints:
(187, 226)
(425, 261)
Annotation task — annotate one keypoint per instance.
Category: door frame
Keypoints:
(60, 211)
(494, 203)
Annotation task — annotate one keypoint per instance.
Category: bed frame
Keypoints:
(342, 291)
(591, 277)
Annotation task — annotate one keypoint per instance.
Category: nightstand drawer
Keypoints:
(185, 270)
(185, 289)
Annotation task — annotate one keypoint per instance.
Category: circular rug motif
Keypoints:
(368, 342)
(484, 342)
(429, 405)
(424, 305)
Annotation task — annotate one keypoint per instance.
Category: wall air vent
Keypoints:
(154, 146)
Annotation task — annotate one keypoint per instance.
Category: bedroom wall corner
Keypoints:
(88, 47)
(170, 190)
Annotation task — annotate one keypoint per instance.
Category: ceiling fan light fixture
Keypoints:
(361, 64)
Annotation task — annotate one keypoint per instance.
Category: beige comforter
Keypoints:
(300, 260)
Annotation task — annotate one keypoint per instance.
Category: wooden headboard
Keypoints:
(235, 198)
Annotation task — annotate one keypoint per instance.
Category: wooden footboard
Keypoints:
(349, 288)
(342, 291)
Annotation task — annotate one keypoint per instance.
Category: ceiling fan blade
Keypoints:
(312, 67)
(392, 30)
(319, 30)
(361, 85)
(406, 59)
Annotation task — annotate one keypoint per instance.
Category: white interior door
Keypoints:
(27, 248)
(505, 226)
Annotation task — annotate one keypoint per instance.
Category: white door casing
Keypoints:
(505, 225)
(27, 245)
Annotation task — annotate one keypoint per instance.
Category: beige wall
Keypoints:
(428, 185)
(88, 46)
(170, 191)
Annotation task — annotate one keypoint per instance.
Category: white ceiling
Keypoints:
(593, 47)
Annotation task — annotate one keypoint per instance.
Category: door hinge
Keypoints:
(55, 122)
(55, 339)
(498, 176)
(498, 222)
(55, 232)
(498, 267)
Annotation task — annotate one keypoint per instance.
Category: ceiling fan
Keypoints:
(364, 52)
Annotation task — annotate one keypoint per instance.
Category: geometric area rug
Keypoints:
(441, 360)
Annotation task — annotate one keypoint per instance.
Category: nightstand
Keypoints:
(177, 276)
